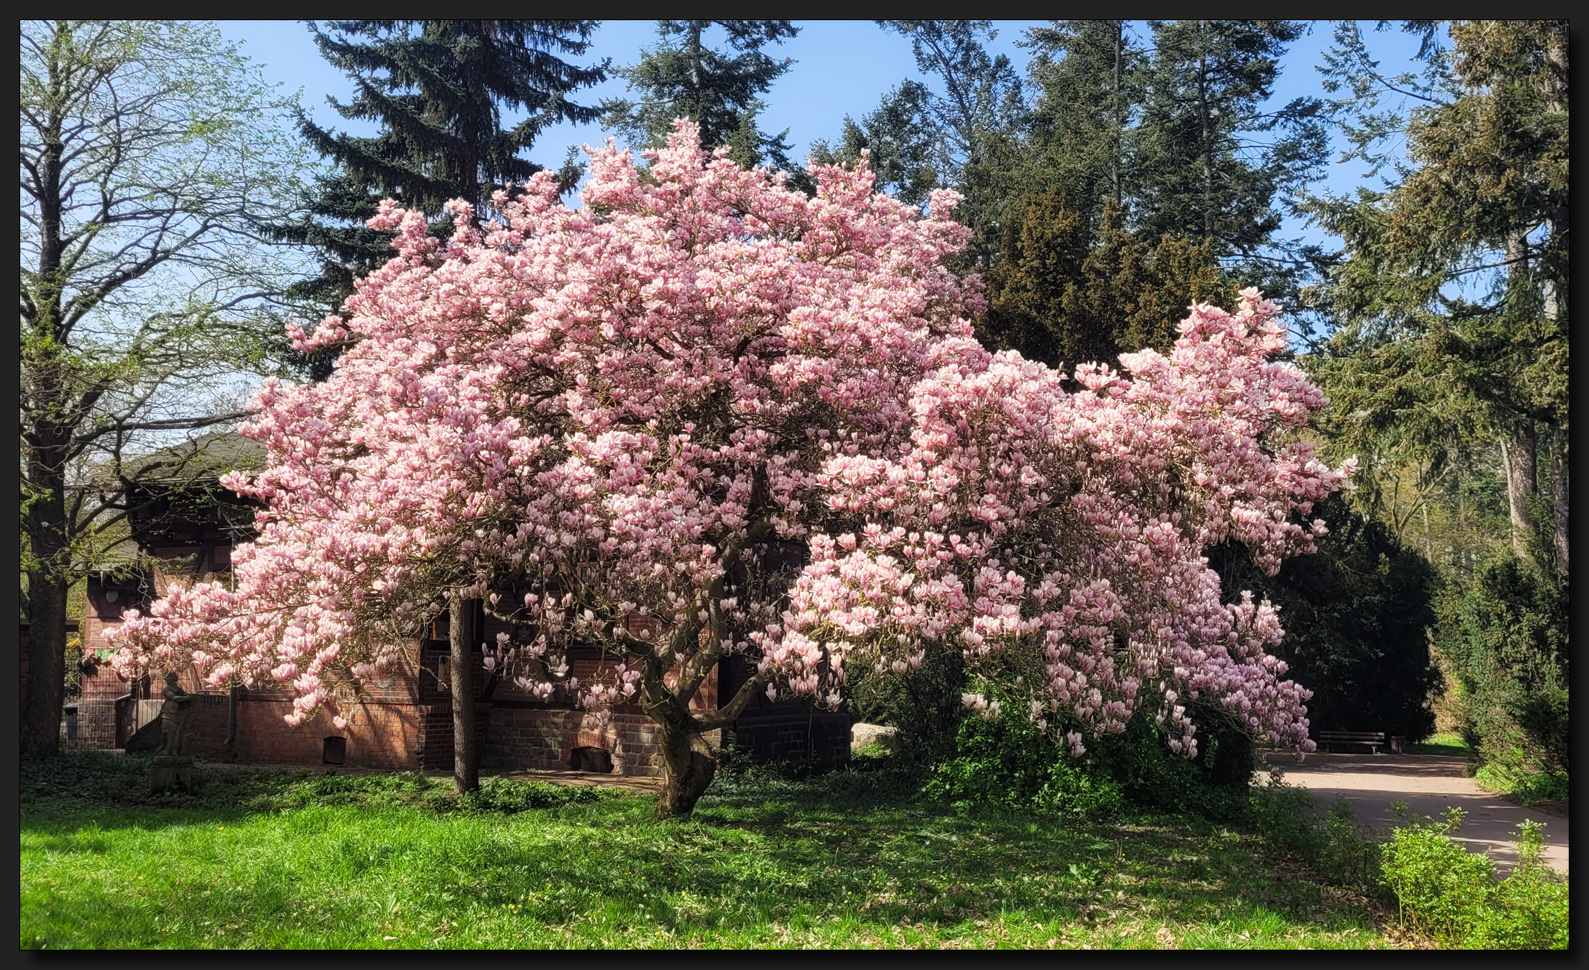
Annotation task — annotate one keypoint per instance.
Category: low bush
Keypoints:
(1505, 635)
(1339, 848)
(1452, 894)
(1008, 763)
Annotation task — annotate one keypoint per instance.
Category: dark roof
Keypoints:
(205, 457)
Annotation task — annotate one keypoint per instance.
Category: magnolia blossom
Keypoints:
(706, 414)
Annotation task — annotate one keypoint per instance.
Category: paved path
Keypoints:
(1429, 784)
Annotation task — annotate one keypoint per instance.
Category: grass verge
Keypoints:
(275, 861)
(1447, 743)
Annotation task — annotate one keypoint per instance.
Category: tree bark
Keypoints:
(1119, 122)
(1558, 495)
(41, 713)
(465, 756)
(1208, 138)
(1521, 482)
(690, 770)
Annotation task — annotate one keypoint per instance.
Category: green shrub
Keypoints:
(1452, 894)
(1440, 886)
(923, 705)
(1008, 763)
(1334, 843)
(1505, 634)
(1530, 911)
(1356, 615)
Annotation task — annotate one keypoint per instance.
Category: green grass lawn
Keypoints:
(274, 861)
(1444, 743)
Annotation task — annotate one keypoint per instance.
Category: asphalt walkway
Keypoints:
(1429, 784)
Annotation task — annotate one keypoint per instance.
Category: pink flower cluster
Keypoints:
(706, 412)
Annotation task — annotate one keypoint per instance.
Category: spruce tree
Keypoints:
(718, 88)
(1210, 162)
(438, 89)
(1089, 78)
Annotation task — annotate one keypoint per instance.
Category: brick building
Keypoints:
(189, 523)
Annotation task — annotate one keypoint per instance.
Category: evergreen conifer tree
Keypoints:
(438, 89)
(1210, 162)
(1454, 292)
(719, 89)
(1069, 289)
(1088, 75)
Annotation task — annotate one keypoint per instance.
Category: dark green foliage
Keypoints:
(897, 138)
(1505, 633)
(1356, 615)
(1069, 290)
(1090, 88)
(969, 123)
(719, 89)
(438, 89)
(923, 705)
(85, 779)
(1195, 170)
(1453, 296)
(1008, 763)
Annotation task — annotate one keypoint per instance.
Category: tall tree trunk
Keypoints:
(696, 85)
(460, 636)
(1207, 140)
(1520, 455)
(41, 720)
(1119, 122)
(1558, 495)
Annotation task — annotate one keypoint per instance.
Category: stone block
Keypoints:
(171, 772)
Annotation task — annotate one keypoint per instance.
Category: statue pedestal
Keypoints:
(171, 771)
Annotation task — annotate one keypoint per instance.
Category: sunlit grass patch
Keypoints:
(813, 864)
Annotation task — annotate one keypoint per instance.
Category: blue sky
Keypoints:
(841, 67)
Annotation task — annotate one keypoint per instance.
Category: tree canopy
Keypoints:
(150, 152)
(439, 90)
(709, 415)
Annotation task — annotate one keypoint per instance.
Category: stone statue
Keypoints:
(174, 716)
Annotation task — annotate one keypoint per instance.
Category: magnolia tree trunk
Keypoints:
(691, 767)
(460, 636)
(688, 761)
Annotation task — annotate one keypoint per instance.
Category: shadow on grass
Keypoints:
(843, 859)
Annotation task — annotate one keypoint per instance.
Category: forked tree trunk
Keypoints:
(690, 770)
(460, 636)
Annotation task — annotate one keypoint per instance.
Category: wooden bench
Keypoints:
(1374, 739)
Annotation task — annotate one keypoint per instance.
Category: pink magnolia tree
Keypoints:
(706, 415)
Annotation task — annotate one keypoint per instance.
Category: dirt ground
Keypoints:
(1429, 784)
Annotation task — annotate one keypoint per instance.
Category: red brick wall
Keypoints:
(379, 734)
